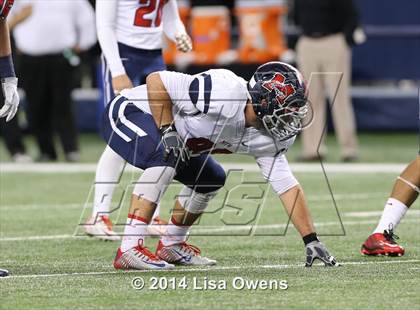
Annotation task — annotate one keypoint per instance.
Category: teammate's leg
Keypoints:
(108, 174)
(405, 192)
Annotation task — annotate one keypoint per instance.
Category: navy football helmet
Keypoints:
(278, 93)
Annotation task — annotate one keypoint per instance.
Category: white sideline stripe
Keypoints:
(211, 229)
(376, 213)
(251, 167)
(221, 268)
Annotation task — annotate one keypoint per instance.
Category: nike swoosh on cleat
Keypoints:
(187, 258)
(156, 264)
(389, 245)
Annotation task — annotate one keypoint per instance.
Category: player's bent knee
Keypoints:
(215, 181)
(195, 202)
(283, 185)
(153, 183)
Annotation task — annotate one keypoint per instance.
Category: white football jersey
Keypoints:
(209, 113)
(208, 110)
(139, 23)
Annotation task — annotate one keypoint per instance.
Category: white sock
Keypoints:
(108, 173)
(157, 211)
(393, 212)
(175, 234)
(134, 232)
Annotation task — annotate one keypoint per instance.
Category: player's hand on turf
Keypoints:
(183, 43)
(173, 144)
(11, 98)
(120, 83)
(316, 250)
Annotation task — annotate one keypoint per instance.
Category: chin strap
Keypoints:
(414, 187)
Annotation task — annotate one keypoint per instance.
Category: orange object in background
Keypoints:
(261, 36)
(169, 51)
(210, 33)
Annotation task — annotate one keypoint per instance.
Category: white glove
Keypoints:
(183, 42)
(11, 98)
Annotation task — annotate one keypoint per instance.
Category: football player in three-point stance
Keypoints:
(7, 74)
(405, 192)
(169, 128)
(130, 33)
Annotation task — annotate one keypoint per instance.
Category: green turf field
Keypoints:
(51, 269)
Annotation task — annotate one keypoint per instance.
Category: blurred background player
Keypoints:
(65, 28)
(405, 192)
(328, 28)
(9, 96)
(130, 33)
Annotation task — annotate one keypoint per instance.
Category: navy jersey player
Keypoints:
(130, 33)
(7, 74)
(169, 128)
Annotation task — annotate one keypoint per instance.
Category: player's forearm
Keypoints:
(296, 206)
(159, 101)
(105, 27)
(5, 49)
(109, 46)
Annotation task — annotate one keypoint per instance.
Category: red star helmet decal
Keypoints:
(283, 91)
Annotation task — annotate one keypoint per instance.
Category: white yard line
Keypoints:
(209, 230)
(376, 213)
(311, 198)
(208, 269)
(251, 167)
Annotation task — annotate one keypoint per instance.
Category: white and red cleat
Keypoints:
(382, 244)
(139, 258)
(157, 227)
(100, 227)
(183, 254)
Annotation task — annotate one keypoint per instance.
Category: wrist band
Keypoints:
(6, 67)
(167, 128)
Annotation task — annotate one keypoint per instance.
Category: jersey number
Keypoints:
(203, 145)
(148, 7)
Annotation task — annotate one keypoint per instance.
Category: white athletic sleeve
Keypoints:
(106, 15)
(85, 23)
(276, 170)
(172, 24)
(177, 86)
